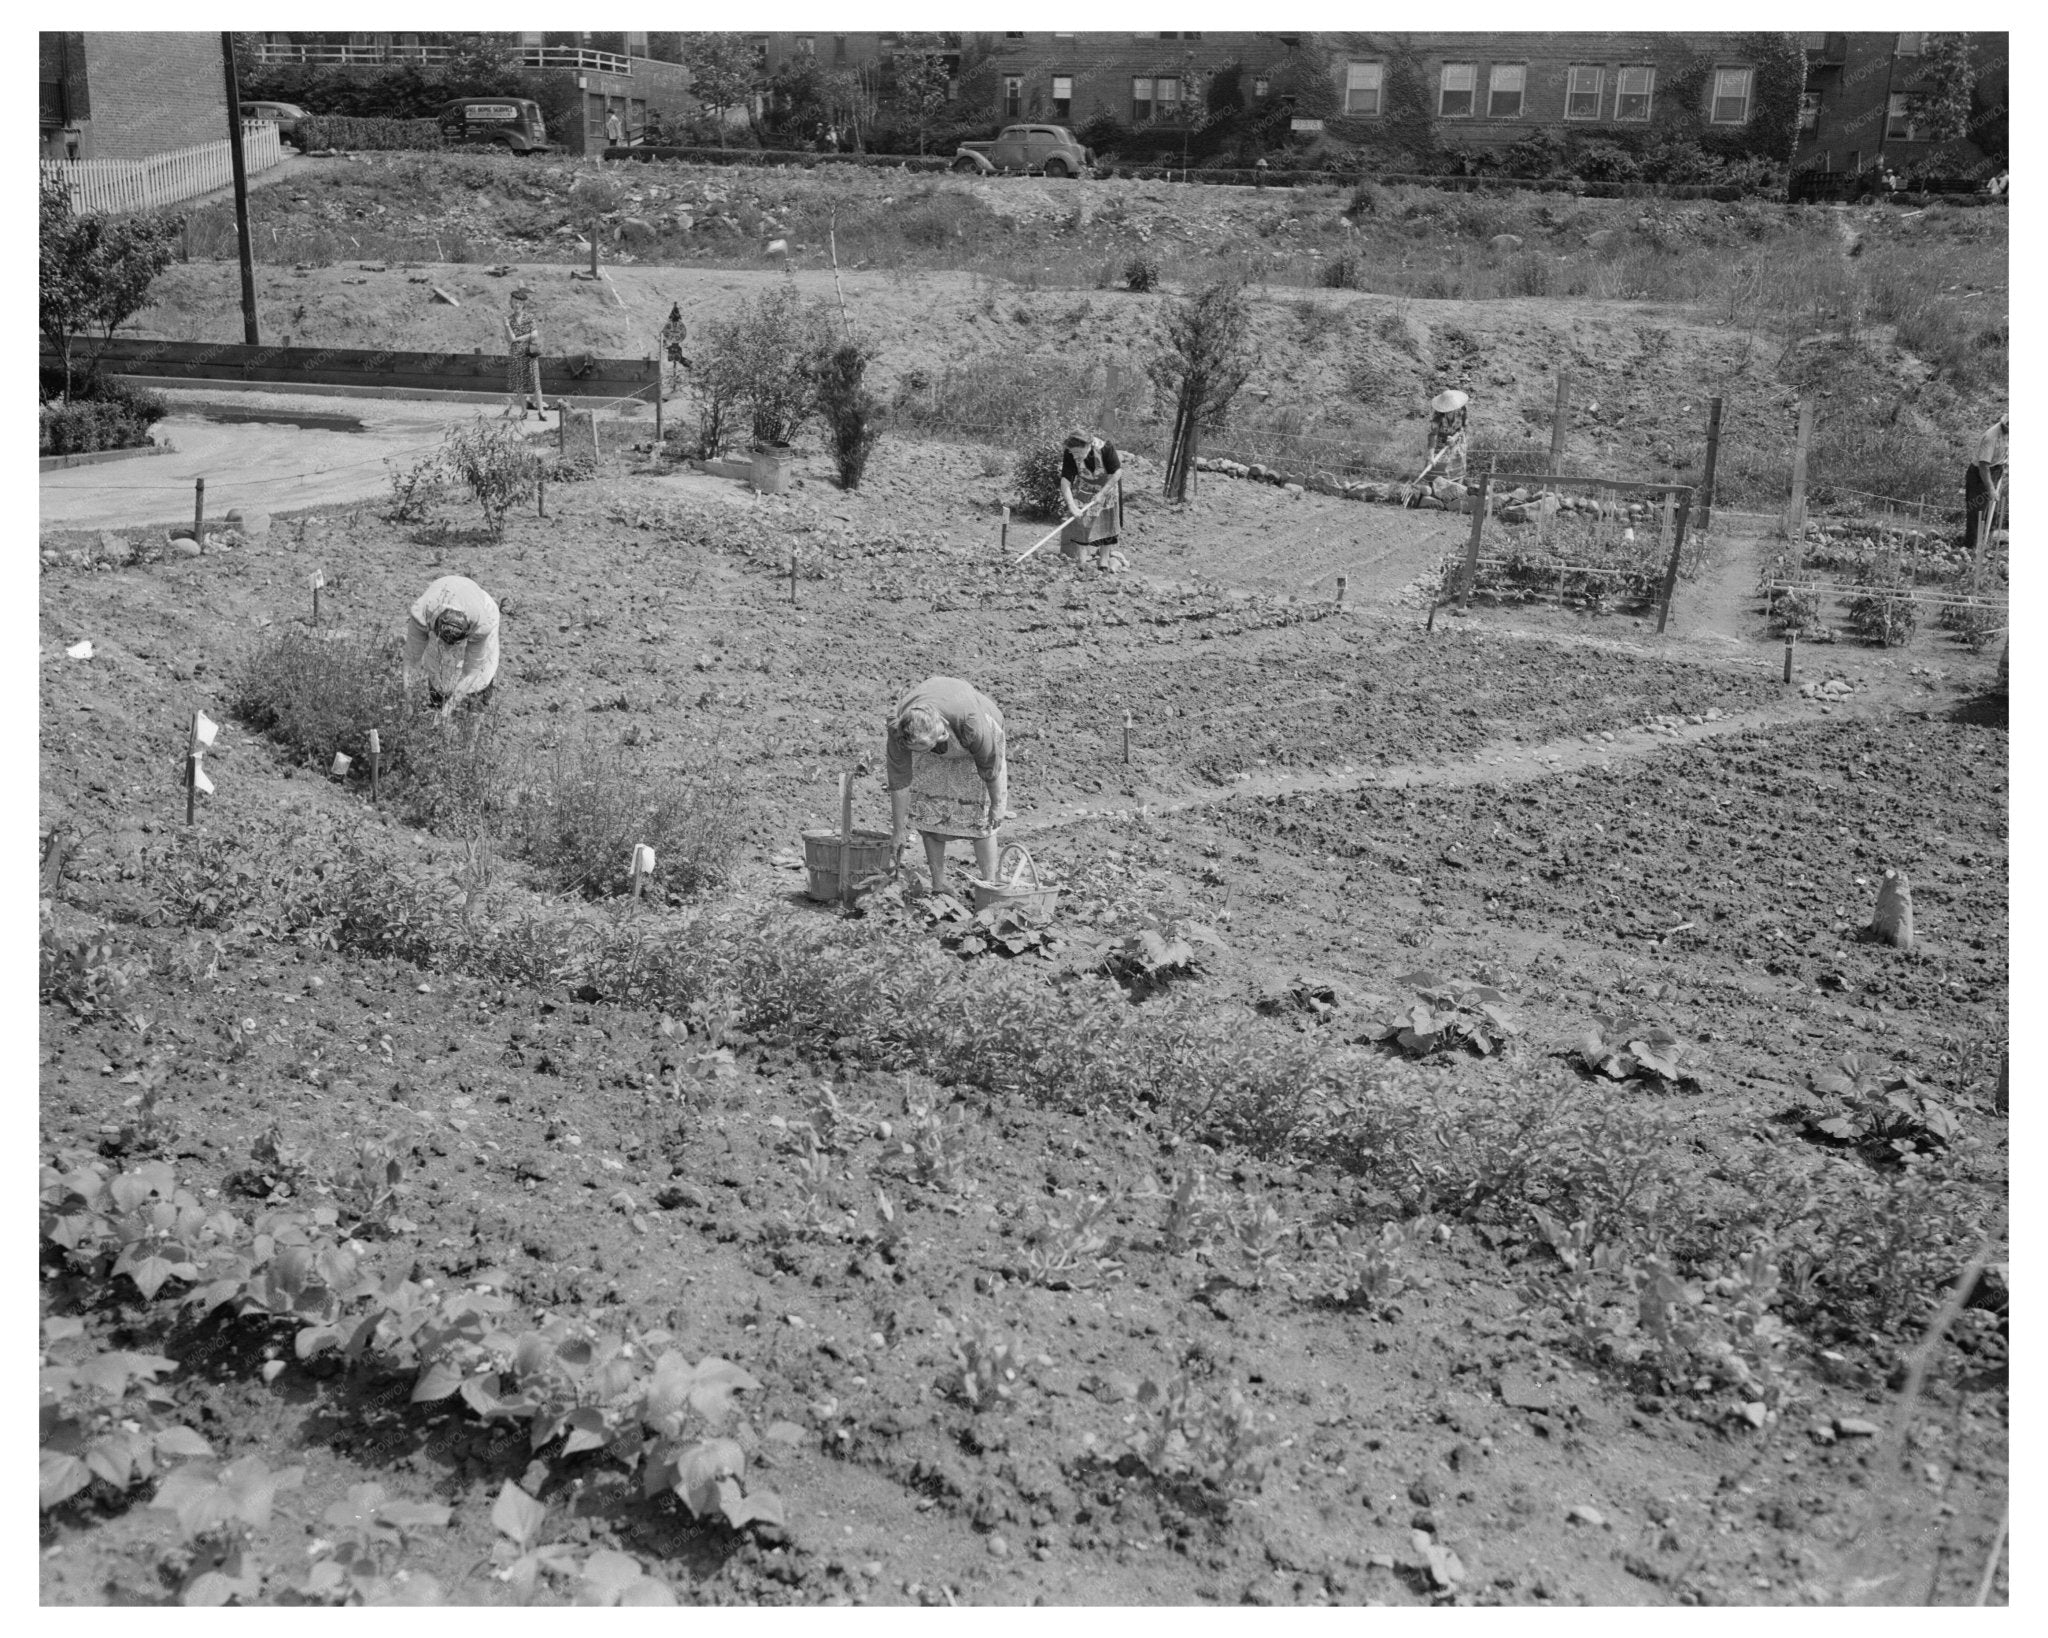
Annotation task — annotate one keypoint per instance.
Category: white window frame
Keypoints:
(1646, 76)
(1912, 45)
(1748, 76)
(1013, 96)
(1164, 104)
(1809, 110)
(1058, 97)
(1494, 89)
(1144, 101)
(1445, 89)
(1572, 89)
(1898, 118)
(1261, 86)
(806, 45)
(1357, 88)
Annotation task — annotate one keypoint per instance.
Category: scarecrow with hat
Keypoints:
(1088, 467)
(522, 368)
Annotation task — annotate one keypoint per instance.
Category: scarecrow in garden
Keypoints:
(1088, 466)
(522, 369)
(673, 334)
(451, 638)
(948, 774)
(1984, 483)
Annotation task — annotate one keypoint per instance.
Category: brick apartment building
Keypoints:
(1857, 112)
(129, 95)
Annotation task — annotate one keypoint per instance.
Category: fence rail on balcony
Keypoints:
(112, 185)
(361, 56)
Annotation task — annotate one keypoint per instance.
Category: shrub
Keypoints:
(1037, 475)
(344, 131)
(585, 805)
(851, 410)
(495, 462)
(93, 271)
(320, 693)
(1141, 272)
(88, 424)
(764, 359)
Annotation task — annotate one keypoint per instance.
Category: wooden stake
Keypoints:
(792, 575)
(657, 408)
(1340, 588)
(1788, 659)
(1127, 737)
(541, 493)
(199, 510)
(593, 247)
(1004, 542)
(832, 247)
(316, 597)
(1671, 569)
(1706, 489)
(192, 767)
(1557, 415)
(1472, 544)
(845, 838)
(376, 757)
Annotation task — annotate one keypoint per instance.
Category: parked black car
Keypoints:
(286, 116)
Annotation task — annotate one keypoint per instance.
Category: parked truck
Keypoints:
(1027, 150)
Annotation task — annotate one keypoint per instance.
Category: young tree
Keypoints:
(1207, 358)
(920, 77)
(851, 411)
(1940, 109)
(94, 271)
(724, 73)
(853, 97)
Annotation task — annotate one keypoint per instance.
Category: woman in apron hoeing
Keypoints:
(948, 774)
(1087, 467)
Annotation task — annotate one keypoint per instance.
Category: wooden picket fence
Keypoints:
(112, 185)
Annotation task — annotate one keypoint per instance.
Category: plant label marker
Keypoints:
(203, 730)
(1127, 736)
(1340, 589)
(342, 763)
(1004, 542)
(316, 580)
(376, 756)
(792, 574)
(643, 866)
(199, 510)
(540, 490)
(1788, 659)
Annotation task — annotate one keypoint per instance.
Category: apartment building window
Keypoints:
(839, 48)
(1809, 110)
(1454, 100)
(1190, 34)
(1910, 44)
(806, 45)
(1731, 96)
(1261, 86)
(1062, 95)
(1504, 84)
(1016, 36)
(1582, 93)
(1169, 96)
(1141, 98)
(1898, 119)
(1633, 88)
(1363, 83)
(1013, 96)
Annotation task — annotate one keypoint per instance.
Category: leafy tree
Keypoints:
(765, 360)
(1940, 108)
(798, 97)
(853, 99)
(94, 271)
(920, 79)
(1307, 78)
(725, 73)
(1207, 358)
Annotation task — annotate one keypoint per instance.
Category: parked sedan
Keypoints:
(286, 116)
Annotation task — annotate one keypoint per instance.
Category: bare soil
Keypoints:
(1586, 815)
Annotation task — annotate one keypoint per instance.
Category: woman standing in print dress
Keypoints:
(948, 773)
(522, 369)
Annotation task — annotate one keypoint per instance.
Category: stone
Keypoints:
(1893, 922)
(1855, 1427)
(1582, 1514)
(1505, 242)
(1292, 489)
(113, 549)
(1525, 1393)
(778, 247)
(1449, 492)
(637, 228)
(186, 546)
(251, 524)
(998, 1547)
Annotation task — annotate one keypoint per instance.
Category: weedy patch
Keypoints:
(1886, 1117)
(1366, 1272)
(1078, 1248)
(1152, 957)
(105, 1416)
(990, 1367)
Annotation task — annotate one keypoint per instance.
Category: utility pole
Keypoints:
(227, 51)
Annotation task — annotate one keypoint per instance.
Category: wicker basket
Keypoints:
(868, 854)
(1033, 898)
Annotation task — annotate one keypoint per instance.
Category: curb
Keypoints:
(53, 463)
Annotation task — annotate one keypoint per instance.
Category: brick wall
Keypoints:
(152, 93)
(1102, 67)
(1849, 130)
(1681, 89)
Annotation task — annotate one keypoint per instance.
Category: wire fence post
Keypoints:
(1671, 569)
(1557, 426)
(1706, 489)
(1795, 511)
(199, 510)
(1472, 543)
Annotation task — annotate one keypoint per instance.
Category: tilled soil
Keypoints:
(1589, 823)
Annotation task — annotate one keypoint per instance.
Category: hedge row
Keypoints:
(782, 156)
(345, 131)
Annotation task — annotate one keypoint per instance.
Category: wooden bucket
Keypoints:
(1011, 890)
(868, 854)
